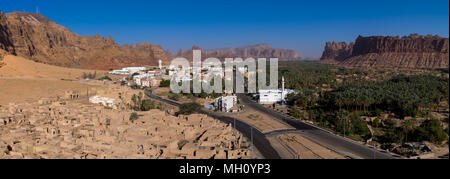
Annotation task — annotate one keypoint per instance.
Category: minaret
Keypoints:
(160, 64)
(282, 89)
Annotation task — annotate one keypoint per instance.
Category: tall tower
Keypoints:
(160, 64)
(283, 95)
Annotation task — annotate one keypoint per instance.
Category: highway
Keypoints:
(329, 140)
(320, 136)
(259, 139)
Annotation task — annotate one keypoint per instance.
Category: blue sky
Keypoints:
(304, 26)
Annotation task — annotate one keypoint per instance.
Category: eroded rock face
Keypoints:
(337, 51)
(414, 51)
(5, 42)
(40, 39)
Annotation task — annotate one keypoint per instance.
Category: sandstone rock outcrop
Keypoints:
(414, 51)
(337, 51)
(5, 43)
(38, 38)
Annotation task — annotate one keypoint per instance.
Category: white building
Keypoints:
(108, 102)
(128, 70)
(134, 69)
(145, 83)
(120, 72)
(225, 103)
(271, 96)
(150, 82)
(138, 78)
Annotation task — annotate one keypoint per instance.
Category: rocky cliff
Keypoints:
(38, 38)
(336, 51)
(414, 51)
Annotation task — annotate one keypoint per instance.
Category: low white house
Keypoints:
(138, 78)
(271, 96)
(225, 103)
(103, 101)
(128, 70)
(145, 83)
(134, 69)
(120, 72)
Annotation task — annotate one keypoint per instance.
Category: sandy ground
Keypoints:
(20, 67)
(439, 151)
(161, 91)
(22, 80)
(306, 149)
(261, 121)
(23, 90)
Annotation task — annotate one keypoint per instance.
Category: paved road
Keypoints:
(332, 141)
(259, 139)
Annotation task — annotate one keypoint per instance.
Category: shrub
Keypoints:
(359, 126)
(164, 83)
(175, 97)
(89, 75)
(295, 113)
(182, 143)
(147, 104)
(189, 108)
(431, 130)
(105, 78)
(134, 116)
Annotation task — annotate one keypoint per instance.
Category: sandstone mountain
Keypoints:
(40, 39)
(336, 51)
(414, 51)
(255, 51)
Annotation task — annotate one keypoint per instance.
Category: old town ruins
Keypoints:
(70, 127)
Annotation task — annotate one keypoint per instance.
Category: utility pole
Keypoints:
(251, 136)
(374, 148)
(345, 120)
(87, 94)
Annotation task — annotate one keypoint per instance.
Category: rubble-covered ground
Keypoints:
(75, 129)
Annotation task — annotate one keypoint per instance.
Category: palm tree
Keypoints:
(409, 125)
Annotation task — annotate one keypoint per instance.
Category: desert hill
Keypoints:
(19, 67)
(414, 51)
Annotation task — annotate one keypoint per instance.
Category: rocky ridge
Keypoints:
(255, 51)
(413, 51)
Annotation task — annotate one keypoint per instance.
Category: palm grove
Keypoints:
(340, 105)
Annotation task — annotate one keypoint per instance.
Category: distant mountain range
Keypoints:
(253, 51)
(256, 51)
(40, 39)
(413, 51)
